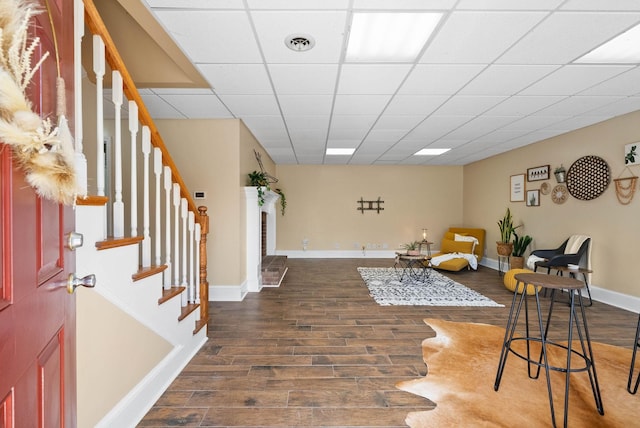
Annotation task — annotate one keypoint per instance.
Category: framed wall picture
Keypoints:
(538, 173)
(517, 188)
(533, 198)
(631, 153)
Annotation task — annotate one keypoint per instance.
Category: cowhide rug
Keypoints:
(462, 360)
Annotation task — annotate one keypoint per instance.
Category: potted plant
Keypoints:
(413, 248)
(259, 180)
(560, 174)
(520, 244)
(506, 227)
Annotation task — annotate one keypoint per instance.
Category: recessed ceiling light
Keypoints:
(299, 42)
(389, 36)
(336, 151)
(623, 49)
(431, 152)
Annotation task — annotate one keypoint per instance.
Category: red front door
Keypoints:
(37, 315)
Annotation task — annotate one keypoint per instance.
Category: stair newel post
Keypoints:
(167, 227)
(146, 241)
(192, 277)
(196, 263)
(183, 216)
(133, 129)
(80, 159)
(157, 235)
(118, 205)
(98, 69)
(204, 284)
(176, 234)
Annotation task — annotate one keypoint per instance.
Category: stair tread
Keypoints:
(168, 294)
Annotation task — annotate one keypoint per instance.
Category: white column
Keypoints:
(133, 129)
(167, 227)
(192, 291)
(254, 262)
(157, 235)
(80, 159)
(198, 232)
(176, 234)
(98, 69)
(146, 241)
(118, 205)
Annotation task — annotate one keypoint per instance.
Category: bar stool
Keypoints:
(633, 362)
(585, 354)
(573, 274)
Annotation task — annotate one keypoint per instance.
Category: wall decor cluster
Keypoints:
(559, 194)
(588, 177)
(517, 188)
(370, 205)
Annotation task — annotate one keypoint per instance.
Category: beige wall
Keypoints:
(110, 363)
(611, 225)
(322, 207)
(206, 154)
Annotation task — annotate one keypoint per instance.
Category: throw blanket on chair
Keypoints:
(471, 258)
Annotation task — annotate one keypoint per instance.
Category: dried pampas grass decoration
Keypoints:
(45, 156)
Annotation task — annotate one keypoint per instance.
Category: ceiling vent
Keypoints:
(299, 42)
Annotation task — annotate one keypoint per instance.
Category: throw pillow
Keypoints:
(449, 246)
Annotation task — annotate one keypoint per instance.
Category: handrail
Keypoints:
(97, 26)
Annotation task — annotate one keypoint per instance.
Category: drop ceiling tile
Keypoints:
(251, 105)
(498, 136)
(462, 105)
(415, 104)
(480, 126)
(177, 91)
(386, 136)
(237, 79)
(533, 123)
(271, 134)
(204, 35)
(347, 133)
(305, 137)
(307, 4)
(363, 159)
(622, 84)
(464, 37)
(577, 105)
(435, 127)
(327, 28)
(402, 4)
(624, 106)
(343, 143)
(401, 123)
(598, 5)
(273, 122)
(572, 79)
(305, 105)
(196, 4)
(508, 4)
(314, 149)
(439, 79)
(506, 79)
(198, 106)
(371, 78)
(308, 122)
(353, 122)
(520, 105)
(576, 123)
(159, 108)
(587, 31)
(312, 79)
(360, 104)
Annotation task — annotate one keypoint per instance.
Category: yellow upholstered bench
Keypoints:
(510, 281)
(450, 245)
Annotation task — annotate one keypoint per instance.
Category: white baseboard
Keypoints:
(338, 254)
(227, 293)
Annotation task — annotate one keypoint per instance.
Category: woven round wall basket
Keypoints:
(588, 178)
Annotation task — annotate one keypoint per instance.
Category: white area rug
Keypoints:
(436, 290)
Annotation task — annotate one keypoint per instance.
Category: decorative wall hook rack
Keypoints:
(370, 205)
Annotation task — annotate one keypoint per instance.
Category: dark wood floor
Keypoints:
(318, 351)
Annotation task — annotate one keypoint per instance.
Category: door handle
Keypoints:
(74, 282)
(74, 240)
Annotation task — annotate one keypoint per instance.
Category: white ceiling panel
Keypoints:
(371, 79)
(198, 106)
(506, 79)
(478, 37)
(496, 74)
(309, 105)
(251, 105)
(563, 37)
(237, 78)
(296, 79)
(325, 27)
(439, 79)
(204, 36)
(360, 104)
